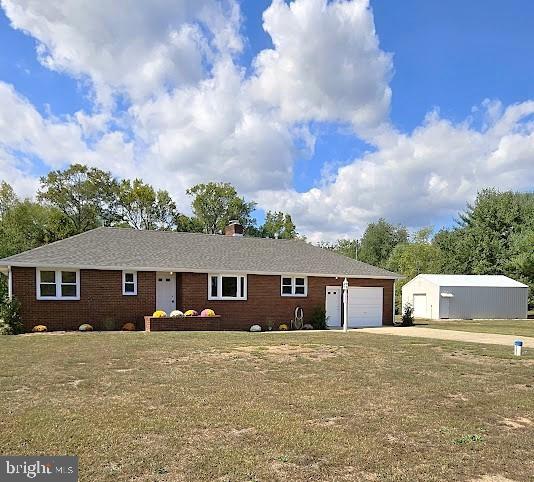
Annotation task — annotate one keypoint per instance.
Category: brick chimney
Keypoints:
(234, 229)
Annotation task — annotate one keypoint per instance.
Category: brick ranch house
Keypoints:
(119, 275)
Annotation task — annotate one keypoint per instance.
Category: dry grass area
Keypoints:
(294, 406)
(503, 327)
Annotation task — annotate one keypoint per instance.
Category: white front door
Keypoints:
(419, 306)
(333, 306)
(166, 292)
(365, 306)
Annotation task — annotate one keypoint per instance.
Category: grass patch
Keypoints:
(503, 327)
(239, 406)
(466, 439)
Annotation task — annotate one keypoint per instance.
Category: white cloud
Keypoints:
(196, 116)
(214, 131)
(17, 172)
(25, 134)
(326, 63)
(22, 128)
(419, 178)
(138, 48)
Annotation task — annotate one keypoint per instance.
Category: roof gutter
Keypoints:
(194, 270)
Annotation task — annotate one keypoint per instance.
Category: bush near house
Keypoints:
(407, 315)
(10, 321)
(318, 319)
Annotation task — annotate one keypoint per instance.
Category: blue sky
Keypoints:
(468, 62)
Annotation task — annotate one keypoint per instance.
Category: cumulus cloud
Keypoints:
(326, 64)
(214, 131)
(136, 48)
(25, 135)
(421, 177)
(195, 115)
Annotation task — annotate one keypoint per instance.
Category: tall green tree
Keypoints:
(187, 224)
(455, 249)
(414, 257)
(215, 204)
(85, 196)
(490, 225)
(346, 247)
(142, 207)
(378, 242)
(493, 236)
(278, 225)
(8, 198)
(521, 263)
(26, 225)
(482, 242)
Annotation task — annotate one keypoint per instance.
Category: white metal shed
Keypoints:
(435, 296)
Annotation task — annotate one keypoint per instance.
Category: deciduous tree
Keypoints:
(278, 225)
(142, 207)
(378, 242)
(215, 204)
(85, 196)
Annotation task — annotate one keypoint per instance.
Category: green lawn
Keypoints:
(504, 327)
(291, 406)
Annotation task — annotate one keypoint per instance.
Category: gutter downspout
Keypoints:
(393, 320)
(9, 282)
(345, 305)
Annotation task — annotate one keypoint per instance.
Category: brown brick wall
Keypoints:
(264, 302)
(101, 298)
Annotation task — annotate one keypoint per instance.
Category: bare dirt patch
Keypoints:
(243, 431)
(326, 422)
(518, 422)
(285, 352)
(492, 478)
(75, 383)
(458, 397)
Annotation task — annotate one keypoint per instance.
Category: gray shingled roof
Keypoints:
(123, 248)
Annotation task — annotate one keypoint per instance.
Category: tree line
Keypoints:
(494, 235)
(80, 198)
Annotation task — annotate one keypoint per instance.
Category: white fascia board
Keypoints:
(193, 270)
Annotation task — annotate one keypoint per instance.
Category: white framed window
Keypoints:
(227, 287)
(129, 283)
(294, 286)
(54, 284)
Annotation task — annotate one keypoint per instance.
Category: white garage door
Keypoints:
(365, 307)
(419, 306)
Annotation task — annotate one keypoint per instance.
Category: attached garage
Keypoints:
(365, 306)
(436, 297)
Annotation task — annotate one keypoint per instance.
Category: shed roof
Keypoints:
(495, 281)
(124, 248)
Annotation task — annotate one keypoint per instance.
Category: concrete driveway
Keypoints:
(453, 335)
